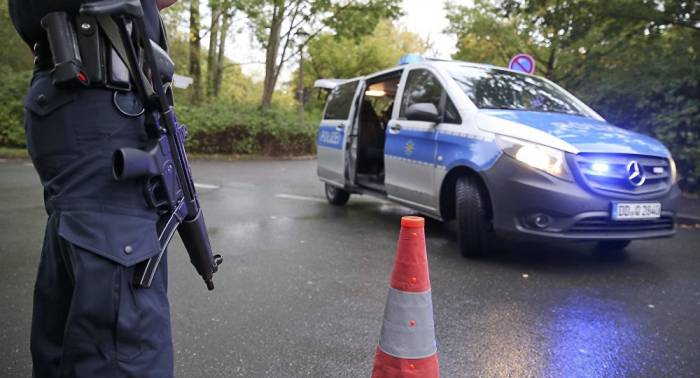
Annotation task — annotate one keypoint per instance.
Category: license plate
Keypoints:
(636, 211)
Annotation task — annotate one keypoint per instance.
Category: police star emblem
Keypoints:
(409, 148)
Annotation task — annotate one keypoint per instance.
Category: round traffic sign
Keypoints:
(523, 63)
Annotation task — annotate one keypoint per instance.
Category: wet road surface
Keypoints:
(303, 285)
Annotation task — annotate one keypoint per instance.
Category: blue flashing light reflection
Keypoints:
(410, 58)
(594, 338)
(599, 167)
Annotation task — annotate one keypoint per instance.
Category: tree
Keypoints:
(216, 9)
(333, 57)
(277, 24)
(485, 35)
(656, 13)
(218, 68)
(195, 39)
(222, 13)
(546, 29)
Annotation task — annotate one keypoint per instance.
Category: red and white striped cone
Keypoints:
(407, 346)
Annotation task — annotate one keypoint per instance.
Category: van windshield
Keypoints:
(500, 89)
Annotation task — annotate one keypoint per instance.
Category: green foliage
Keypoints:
(14, 53)
(222, 128)
(334, 57)
(485, 36)
(356, 19)
(345, 18)
(13, 153)
(12, 88)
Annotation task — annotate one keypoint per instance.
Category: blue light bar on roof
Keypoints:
(410, 58)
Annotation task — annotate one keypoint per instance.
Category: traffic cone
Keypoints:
(407, 346)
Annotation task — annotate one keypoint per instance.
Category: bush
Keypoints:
(13, 87)
(220, 128)
(214, 128)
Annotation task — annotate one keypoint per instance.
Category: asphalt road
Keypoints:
(303, 287)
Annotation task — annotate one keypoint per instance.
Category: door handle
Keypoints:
(340, 127)
(395, 128)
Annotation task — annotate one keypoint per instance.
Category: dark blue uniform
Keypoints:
(89, 320)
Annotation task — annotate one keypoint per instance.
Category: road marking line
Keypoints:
(299, 198)
(28, 164)
(205, 186)
(3, 160)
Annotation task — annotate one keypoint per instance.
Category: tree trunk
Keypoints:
(213, 55)
(552, 61)
(273, 43)
(195, 65)
(219, 70)
(301, 84)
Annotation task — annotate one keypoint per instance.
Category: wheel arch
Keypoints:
(447, 191)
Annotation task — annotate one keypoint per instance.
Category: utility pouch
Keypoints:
(82, 55)
(68, 67)
(92, 48)
(118, 73)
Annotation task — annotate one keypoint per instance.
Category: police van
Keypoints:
(500, 151)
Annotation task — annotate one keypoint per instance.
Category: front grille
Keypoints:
(615, 180)
(605, 224)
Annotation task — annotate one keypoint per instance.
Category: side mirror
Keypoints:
(423, 111)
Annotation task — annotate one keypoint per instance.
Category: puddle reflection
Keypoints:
(592, 338)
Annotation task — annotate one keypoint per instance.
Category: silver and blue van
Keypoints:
(500, 151)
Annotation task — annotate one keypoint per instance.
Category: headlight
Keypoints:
(674, 171)
(537, 156)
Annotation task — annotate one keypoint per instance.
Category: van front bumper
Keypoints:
(524, 200)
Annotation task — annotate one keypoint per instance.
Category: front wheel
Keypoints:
(336, 196)
(473, 223)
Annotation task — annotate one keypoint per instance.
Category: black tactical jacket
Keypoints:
(26, 15)
(71, 136)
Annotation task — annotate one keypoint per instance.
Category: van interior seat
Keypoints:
(371, 141)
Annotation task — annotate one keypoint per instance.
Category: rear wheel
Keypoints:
(473, 223)
(336, 196)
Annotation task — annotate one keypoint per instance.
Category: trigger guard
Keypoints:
(149, 192)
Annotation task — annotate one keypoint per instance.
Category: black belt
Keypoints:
(127, 105)
(80, 53)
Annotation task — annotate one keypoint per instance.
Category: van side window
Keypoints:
(340, 101)
(421, 86)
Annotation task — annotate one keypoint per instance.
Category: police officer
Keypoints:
(88, 318)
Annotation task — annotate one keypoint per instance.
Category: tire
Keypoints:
(473, 223)
(613, 245)
(336, 196)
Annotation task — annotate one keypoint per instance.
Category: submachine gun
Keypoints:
(163, 163)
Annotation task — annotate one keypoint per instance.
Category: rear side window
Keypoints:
(340, 101)
(421, 86)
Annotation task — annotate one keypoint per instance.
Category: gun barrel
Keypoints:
(196, 240)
